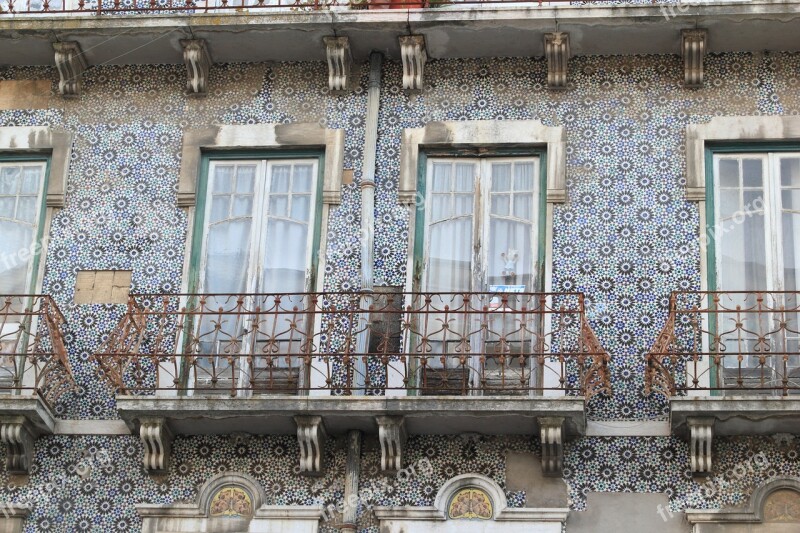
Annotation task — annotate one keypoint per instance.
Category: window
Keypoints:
(258, 241)
(21, 186)
(756, 247)
(482, 218)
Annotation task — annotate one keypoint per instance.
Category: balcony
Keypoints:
(729, 362)
(34, 372)
(496, 363)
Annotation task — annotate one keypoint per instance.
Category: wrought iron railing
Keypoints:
(350, 343)
(32, 353)
(729, 342)
(113, 7)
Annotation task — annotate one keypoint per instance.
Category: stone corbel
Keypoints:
(340, 61)
(556, 50)
(701, 434)
(414, 56)
(157, 440)
(693, 47)
(392, 436)
(198, 62)
(19, 437)
(551, 432)
(311, 437)
(70, 63)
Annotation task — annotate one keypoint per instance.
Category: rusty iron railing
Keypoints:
(728, 342)
(32, 352)
(416, 343)
(114, 7)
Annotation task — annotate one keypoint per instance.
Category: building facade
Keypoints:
(452, 266)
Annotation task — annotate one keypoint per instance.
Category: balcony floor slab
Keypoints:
(738, 415)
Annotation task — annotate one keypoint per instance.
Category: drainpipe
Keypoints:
(351, 474)
(368, 219)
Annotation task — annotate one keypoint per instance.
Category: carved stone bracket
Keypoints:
(551, 432)
(70, 63)
(701, 430)
(414, 56)
(311, 437)
(198, 62)
(340, 61)
(18, 435)
(157, 440)
(392, 436)
(556, 50)
(693, 47)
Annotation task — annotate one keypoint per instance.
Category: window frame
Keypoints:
(35, 272)
(197, 242)
(421, 231)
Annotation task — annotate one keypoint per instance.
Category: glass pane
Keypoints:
(751, 172)
(223, 178)
(523, 206)
(449, 264)
(245, 179)
(227, 256)
(790, 171)
(14, 238)
(729, 173)
(302, 178)
(465, 177)
(278, 205)
(301, 207)
(7, 206)
(791, 247)
(523, 176)
(242, 206)
(440, 207)
(26, 208)
(281, 175)
(30, 180)
(753, 200)
(501, 177)
(501, 204)
(440, 181)
(741, 255)
(791, 199)
(219, 208)
(463, 204)
(728, 202)
(285, 261)
(9, 180)
(510, 253)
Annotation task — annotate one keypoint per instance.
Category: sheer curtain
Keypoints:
(20, 189)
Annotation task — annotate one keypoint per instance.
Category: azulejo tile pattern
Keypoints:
(626, 237)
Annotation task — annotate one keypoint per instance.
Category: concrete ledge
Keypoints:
(428, 415)
(91, 427)
(32, 408)
(628, 428)
(738, 415)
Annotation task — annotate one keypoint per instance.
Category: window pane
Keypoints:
(728, 202)
(510, 253)
(465, 177)
(729, 173)
(751, 172)
(741, 254)
(791, 199)
(26, 208)
(440, 181)
(281, 175)
(523, 206)
(219, 208)
(523, 176)
(242, 206)
(285, 263)
(30, 180)
(790, 171)
(245, 178)
(9, 180)
(440, 207)
(227, 256)
(501, 177)
(223, 178)
(7, 206)
(753, 200)
(791, 247)
(278, 205)
(501, 204)
(449, 264)
(14, 238)
(302, 178)
(463, 204)
(301, 207)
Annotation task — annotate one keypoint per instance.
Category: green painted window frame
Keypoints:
(712, 149)
(255, 155)
(39, 251)
(419, 223)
